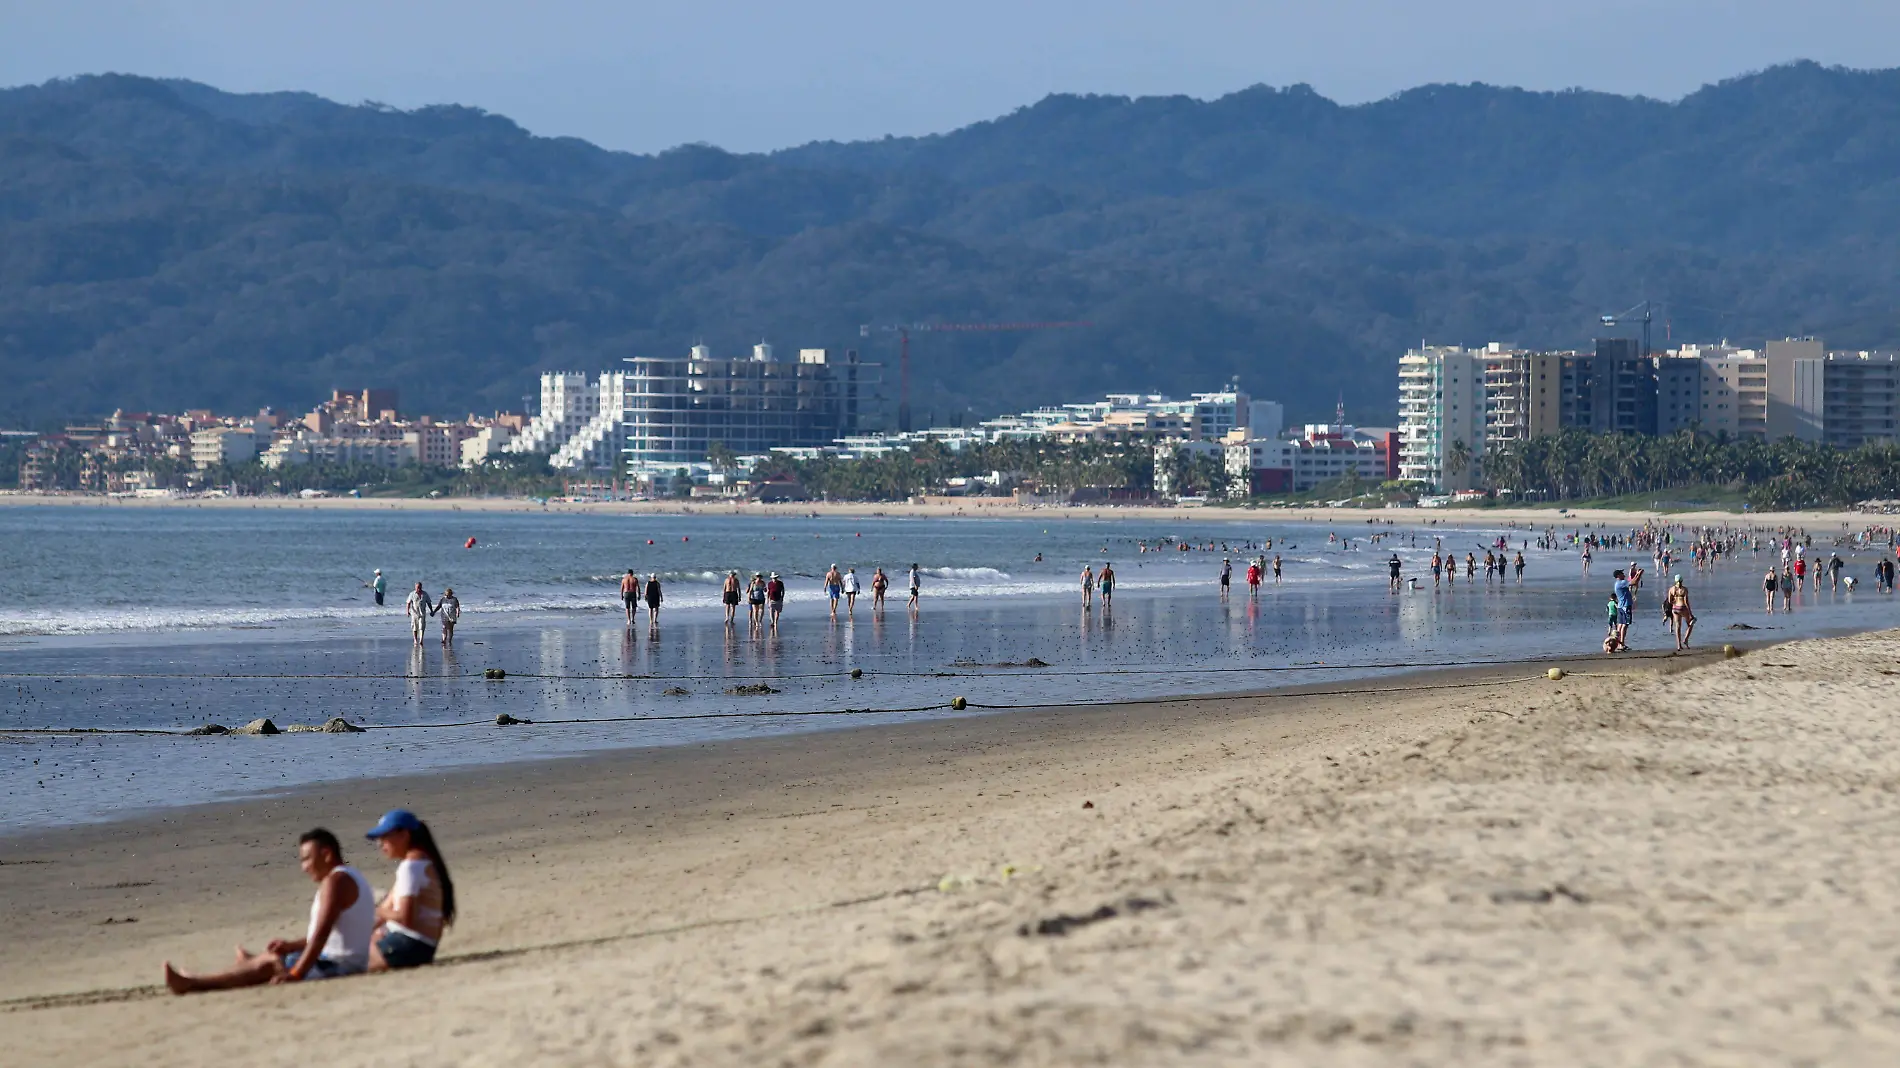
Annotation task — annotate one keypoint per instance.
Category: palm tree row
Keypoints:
(1575, 464)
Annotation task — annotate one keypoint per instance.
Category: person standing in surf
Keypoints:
(450, 609)
(654, 597)
(729, 596)
(418, 607)
(630, 595)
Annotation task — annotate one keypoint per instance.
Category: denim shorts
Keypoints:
(321, 968)
(401, 951)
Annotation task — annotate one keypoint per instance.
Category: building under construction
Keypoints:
(678, 408)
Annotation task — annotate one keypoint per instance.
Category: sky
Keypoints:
(752, 75)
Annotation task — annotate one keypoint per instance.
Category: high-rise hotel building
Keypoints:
(1484, 397)
(678, 408)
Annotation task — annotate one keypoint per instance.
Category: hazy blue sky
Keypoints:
(749, 74)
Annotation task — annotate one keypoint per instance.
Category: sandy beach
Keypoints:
(993, 507)
(1661, 861)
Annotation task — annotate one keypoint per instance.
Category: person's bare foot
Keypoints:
(177, 981)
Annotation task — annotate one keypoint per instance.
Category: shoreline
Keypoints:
(985, 508)
(453, 780)
(1492, 873)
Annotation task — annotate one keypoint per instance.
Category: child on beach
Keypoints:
(1613, 634)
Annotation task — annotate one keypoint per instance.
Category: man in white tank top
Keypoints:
(342, 916)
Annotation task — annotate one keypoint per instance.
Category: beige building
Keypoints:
(226, 445)
(1523, 394)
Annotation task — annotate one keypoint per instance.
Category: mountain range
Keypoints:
(165, 245)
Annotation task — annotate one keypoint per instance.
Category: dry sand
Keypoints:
(980, 507)
(1676, 869)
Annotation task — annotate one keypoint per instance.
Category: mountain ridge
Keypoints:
(165, 244)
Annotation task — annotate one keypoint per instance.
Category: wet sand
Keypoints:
(1644, 868)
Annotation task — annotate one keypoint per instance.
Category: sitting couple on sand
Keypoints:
(349, 932)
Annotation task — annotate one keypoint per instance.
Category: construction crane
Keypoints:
(903, 333)
(1628, 316)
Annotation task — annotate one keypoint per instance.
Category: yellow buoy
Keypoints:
(959, 703)
(1555, 674)
(1730, 652)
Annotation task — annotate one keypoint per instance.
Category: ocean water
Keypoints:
(166, 619)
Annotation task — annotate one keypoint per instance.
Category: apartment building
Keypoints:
(222, 445)
(1788, 388)
(1322, 453)
(1732, 390)
(1860, 397)
(676, 409)
(1523, 393)
(1442, 411)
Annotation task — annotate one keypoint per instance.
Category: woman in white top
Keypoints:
(421, 904)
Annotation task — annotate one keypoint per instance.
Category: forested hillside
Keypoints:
(164, 244)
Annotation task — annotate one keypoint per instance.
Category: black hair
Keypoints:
(324, 839)
(421, 839)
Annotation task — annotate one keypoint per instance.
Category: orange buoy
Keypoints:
(649, 541)
(469, 544)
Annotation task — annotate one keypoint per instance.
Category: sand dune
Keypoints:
(1684, 868)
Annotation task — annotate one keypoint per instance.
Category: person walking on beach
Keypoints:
(880, 584)
(1107, 582)
(1611, 642)
(337, 942)
(916, 587)
(630, 595)
(1438, 566)
(1586, 559)
(1276, 567)
(1088, 586)
(412, 916)
(729, 596)
(755, 600)
(1768, 583)
(654, 597)
(1393, 565)
(1834, 566)
(1625, 608)
(851, 592)
(775, 593)
(1678, 614)
(1226, 577)
(378, 586)
(1253, 579)
(1518, 565)
(418, 606)
(450, 609)
(834, 589)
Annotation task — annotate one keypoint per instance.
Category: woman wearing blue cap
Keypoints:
(411, 917)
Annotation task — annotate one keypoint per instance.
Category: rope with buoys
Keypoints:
(956, 704)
